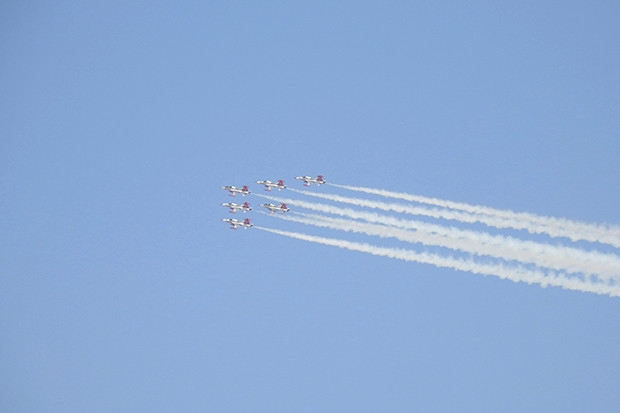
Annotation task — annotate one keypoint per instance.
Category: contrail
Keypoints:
(515, 273)
(468, 217)
(399, 208)
(604, 267)
(557, 227)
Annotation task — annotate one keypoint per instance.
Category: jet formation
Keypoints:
(273, 208)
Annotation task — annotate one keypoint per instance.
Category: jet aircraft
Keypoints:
(244, 190)
(268, 184)
(273, 208)
(308, 179)
(236, 207)
(236, 223)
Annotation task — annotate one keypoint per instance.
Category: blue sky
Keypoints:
(121, 289)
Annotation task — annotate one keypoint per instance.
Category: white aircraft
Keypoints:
(268, 184)
(236, 223)
(244, 190)
(236, 207)
(273, 208)
(308, 179)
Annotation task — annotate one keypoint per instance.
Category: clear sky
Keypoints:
(121, 289)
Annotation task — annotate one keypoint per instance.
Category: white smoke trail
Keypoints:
(556, 227)
(399, 208)
(467, 217)
(514, 273)
(605, 267)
